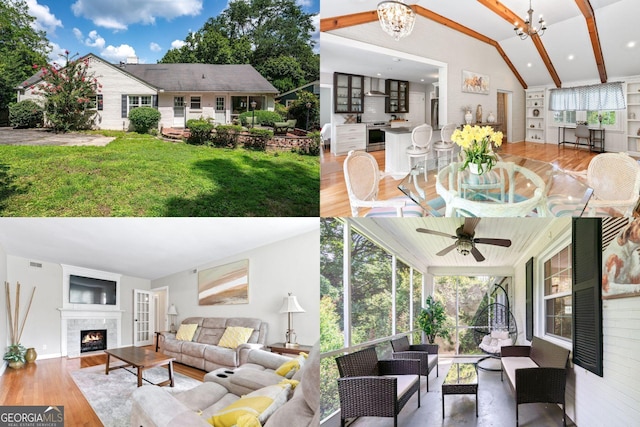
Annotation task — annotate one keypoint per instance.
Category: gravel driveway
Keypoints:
(10, 136)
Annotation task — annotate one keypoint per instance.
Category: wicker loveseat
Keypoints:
(537, 373)
(376, 388)
(203, 352)
(426, 353)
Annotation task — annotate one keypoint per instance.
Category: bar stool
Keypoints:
(446, 145)
(420, 145)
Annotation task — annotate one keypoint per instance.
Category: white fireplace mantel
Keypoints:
(93, 314)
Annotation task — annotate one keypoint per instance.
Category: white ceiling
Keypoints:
(567, 35)
(147, 248)
(420, 249)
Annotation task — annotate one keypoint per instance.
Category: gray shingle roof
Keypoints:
(201, 77)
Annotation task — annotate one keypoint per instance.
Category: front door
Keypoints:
(142, 320)
(178, 111)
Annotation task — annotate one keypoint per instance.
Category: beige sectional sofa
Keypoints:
(203, 352)
(156, 406)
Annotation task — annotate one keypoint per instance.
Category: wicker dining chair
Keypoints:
(370, 387)
(427, 354)
(615, 179)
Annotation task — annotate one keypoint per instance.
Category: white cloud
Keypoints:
(118, 53)
(78, 34)
(118, 14)
(56, 54)
(94, 40)
(304, 3)
(45, 20)
(177, 44)
(155, 47)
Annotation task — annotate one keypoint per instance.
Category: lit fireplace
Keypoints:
(93, 340)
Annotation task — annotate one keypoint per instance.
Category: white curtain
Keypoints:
(606, 96)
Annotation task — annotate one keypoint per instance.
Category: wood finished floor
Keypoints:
(49, 382)
(334, 201)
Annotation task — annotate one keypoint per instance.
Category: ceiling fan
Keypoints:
(465, 241)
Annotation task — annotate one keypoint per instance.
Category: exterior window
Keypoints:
(220, 104)
(557, 294)
(136, 101)
(196, 103)
(96, 103)
(288, 103)
(608, 118)
(564, 117)
(243, 103)
(178, 101)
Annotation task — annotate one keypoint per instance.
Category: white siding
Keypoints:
(614, 399)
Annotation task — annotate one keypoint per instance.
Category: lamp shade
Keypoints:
(290, 305)
(172, 310)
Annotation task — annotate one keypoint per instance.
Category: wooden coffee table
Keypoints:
(141, 359)
(462, 378)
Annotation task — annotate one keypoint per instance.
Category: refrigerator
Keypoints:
(434, 114)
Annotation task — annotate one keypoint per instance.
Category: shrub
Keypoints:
(144, 118)
(262, 117)
(227, 136)
(258, 139)
(200, 131)
(26, 114)
(298, 110)
(310, 146)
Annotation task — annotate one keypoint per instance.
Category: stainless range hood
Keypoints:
(374, 88)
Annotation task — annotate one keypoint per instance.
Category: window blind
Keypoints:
(605, 96)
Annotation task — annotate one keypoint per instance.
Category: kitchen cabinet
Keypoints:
(348, 93)
(396, 161)
(398, 96)
(350, 137)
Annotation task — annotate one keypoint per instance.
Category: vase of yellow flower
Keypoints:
(477, 144)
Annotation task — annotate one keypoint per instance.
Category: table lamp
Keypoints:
(290, 305)
(172, 314)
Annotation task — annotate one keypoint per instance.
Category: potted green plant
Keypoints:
(433, 320)
(15, 356)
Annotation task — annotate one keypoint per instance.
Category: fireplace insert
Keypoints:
(93, 340)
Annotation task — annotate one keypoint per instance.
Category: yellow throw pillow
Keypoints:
(234, 336)
(289, 368)
(186, 332)
(253, 409)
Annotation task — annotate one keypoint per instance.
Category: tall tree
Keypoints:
(20, 47)
(272, 35)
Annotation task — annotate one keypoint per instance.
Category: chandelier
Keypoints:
(530, 30)
(396, 18)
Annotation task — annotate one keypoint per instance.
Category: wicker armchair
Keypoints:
(366, 390)
(427, 354)
(615, 179)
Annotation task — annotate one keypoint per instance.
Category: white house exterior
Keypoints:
(179, 91)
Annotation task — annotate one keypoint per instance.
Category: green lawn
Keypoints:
(139, 175)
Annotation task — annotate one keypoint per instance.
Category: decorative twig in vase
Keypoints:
(14, 323)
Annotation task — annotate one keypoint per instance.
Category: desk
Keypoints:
(562, 194)
(596, 135)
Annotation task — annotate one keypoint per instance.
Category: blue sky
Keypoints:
(116, 29)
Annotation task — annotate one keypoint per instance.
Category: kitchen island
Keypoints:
(396, 161)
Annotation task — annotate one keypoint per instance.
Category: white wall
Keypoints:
(4, 321)
(611, 400)
(42, 330)
(291, 265)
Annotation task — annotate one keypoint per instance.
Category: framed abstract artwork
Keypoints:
(224, 284)
(475, 82)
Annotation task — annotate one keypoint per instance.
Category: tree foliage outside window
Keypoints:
(608, 118)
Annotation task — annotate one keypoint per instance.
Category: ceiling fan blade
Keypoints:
(434, 232)
(446, 250)
(476, 254)
(497, 242)
(469, 226)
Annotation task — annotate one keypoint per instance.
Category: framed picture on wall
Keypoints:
(224, 284)
(475, 82)
(620, 258)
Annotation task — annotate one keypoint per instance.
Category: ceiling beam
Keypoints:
(589, 16)
(334, 23)
(328, 24)
(505, 13)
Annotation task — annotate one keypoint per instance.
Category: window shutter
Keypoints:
(100, 103)
(124, 106)
(529, 299)
(155, 101)
(587, 293)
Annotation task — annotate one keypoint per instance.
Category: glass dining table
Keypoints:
(516, 186)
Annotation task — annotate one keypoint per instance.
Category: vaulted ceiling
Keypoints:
(585, 40)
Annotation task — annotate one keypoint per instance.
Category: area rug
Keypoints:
(110, 395)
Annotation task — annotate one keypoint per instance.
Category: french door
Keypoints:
(142, 319)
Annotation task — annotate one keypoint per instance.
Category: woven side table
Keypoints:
(462, 378)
